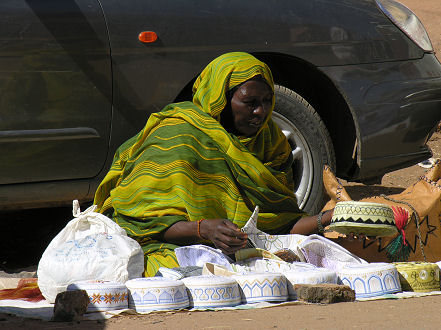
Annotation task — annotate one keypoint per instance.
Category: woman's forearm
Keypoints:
(223, 232)
(308, 225)
(183, 233)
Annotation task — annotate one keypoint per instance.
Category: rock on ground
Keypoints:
(324, 293)
(70, 305)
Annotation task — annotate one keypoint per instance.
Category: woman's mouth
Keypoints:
(256, 124)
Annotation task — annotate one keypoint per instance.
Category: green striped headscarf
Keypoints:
(184, 166)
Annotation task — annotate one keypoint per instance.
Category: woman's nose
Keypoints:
(259, 110)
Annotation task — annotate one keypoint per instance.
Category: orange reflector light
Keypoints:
(147, 36)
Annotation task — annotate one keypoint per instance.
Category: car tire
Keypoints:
(311, 143)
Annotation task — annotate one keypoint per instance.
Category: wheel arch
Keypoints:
(319, 91)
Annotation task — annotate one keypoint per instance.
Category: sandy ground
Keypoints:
(414, 313)
(422, 313)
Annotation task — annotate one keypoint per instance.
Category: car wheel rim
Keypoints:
(303, 165)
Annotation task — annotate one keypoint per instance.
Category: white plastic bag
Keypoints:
(90, 247)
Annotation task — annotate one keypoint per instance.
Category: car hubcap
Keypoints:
(303, 165)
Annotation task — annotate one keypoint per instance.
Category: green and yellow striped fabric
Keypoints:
(184, 166)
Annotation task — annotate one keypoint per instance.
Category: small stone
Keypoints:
(324, 293)
(70, 305)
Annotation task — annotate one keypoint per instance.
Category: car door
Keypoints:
(55, 90)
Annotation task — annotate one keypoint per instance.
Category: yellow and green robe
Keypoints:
(184, 166)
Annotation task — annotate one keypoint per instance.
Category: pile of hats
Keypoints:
(214, 291)
(178, 291)
(175, 290)
(198, 291)
(376, 279)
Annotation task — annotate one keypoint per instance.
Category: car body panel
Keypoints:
(396, 106)
(93, 84)
(191, 34)
(55, 85)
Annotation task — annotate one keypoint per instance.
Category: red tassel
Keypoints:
(401, 217)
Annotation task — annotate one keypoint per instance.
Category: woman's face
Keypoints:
(250, 105)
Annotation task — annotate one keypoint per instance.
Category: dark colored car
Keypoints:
(358, 84)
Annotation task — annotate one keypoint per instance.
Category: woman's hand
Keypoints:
(224, 234)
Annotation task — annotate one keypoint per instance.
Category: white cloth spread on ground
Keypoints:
(314, 249)
(199, 255)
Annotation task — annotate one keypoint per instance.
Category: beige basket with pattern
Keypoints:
(417, 214)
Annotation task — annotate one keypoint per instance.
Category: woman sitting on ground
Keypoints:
(197, 170)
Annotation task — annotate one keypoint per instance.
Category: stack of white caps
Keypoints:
(103, 295)
(156, 293)
(369, 280)
(210, 291)
(258, 287)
